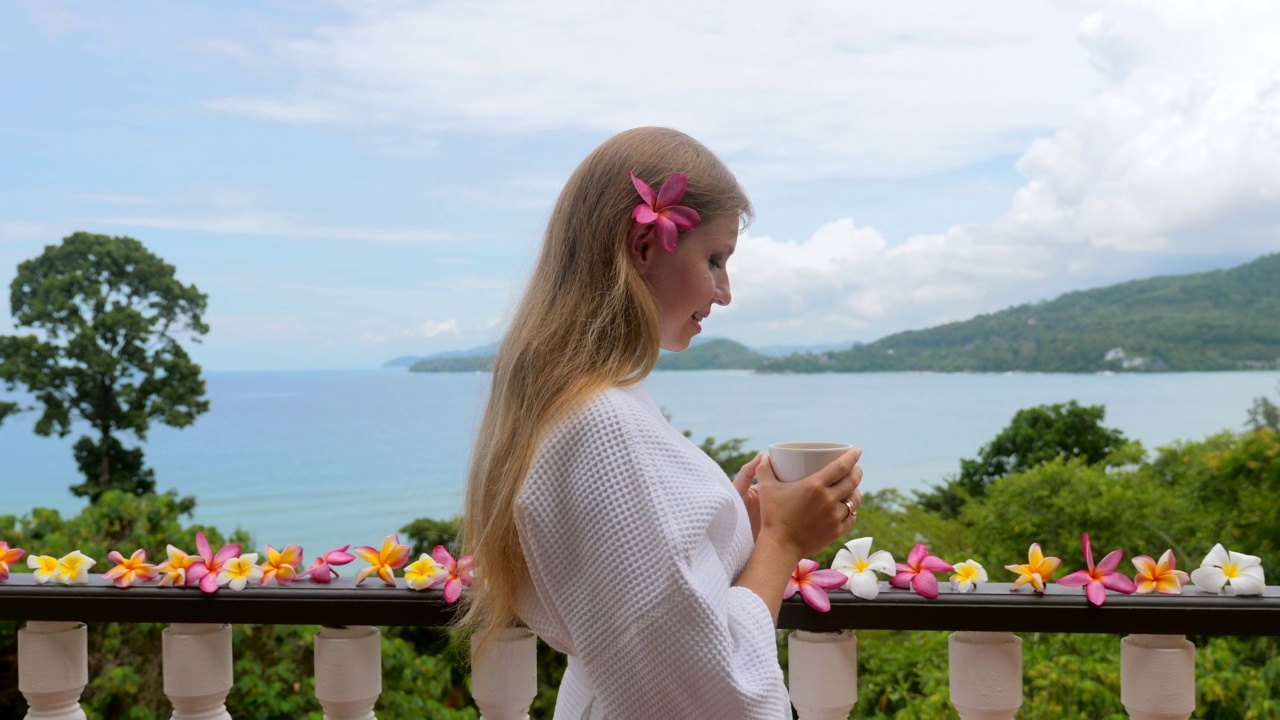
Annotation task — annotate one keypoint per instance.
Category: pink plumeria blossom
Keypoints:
(8, 556)
(205, 570)
(174, 570)
(127, 571)
(813, 584)
(917, 573)
(661, 211)
(322, 571)
(383, 561)
(1162, 576)
(281, 566)
(1036, 572)
(457, 575)
(1097, 579)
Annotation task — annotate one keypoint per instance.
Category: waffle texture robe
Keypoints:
(633, 538)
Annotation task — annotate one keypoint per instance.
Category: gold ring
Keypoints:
(852, 513)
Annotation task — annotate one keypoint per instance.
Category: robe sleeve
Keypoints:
(630, 542)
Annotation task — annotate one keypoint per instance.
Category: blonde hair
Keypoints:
(587, 322)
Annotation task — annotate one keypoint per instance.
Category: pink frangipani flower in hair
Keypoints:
(661, 211)
(813, 584)
(1097, 579)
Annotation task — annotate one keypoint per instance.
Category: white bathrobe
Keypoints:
(633, 538)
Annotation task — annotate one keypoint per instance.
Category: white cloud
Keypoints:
(1176, 153)
(838, 89)
(432, 328)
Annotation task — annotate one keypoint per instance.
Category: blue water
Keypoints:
(330, 458)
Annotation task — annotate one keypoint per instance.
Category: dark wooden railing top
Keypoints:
(992, 607)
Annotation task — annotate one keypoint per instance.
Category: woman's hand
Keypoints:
(810, 513)
(744, 484)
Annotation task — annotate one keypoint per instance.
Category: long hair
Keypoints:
(587, 321)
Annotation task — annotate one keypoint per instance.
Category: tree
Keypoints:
(105, 311)
(1263, 414)
(1034, 437)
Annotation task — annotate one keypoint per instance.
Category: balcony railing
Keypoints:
(1157, 662)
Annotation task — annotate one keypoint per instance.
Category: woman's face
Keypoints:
(687, 282)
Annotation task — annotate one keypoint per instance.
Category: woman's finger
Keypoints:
(742, 482)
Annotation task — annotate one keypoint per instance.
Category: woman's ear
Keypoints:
(642, 243)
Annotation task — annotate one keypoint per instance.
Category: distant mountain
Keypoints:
(1221, 320)
(717, 354)
(407, 361)
(784, 350)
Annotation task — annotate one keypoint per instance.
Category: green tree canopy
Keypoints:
(1034, 437)
(104, 312)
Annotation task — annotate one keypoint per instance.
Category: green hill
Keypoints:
(717, 354)
(1221, 320)
(469, 363)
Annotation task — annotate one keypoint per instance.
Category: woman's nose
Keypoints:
(722, 296)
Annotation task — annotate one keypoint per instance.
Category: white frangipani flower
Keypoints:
(854, 563)
(967, 576)
(1221, 568)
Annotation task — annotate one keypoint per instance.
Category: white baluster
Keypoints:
(823, 672)
(53, 668)
(504, 678)
(986, 674)
(1158, 677)
(197, 670)
(348, 671)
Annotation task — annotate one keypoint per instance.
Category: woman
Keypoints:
(591, 519)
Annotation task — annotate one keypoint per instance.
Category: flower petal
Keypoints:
(202, 546)
(642, 187)
(1247, 583)
(1168, 561)
(684, 218)
(227, 552)
(1210, 579)
(1146, 566)
(864, 585)
(843, 563)
(672, 191)
(1079, 578)
(1217, 557)
(935, 564)
(1094, 591)
(1167, 584)
(452, 590)
(859, 546)
(815, 597)
(1118, 582)
(917, 554)
(441, 555)
(1111, 561)
(828, 579)
(1034, 555)
(666, 232)
(902, 580)
(926, 583)
(882, 562)
(1088, 550)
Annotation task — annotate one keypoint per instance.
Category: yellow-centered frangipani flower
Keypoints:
(131, 569)
(1161, 576)
(239, 571)
(967, 576)
(281, 566)
(174, 570)
(1037, 571)
(424, 573)
(43, 567)
(73, 568)
(1222, 567)
(384, 561)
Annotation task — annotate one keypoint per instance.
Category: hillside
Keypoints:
(719, 354)
(1220, 320)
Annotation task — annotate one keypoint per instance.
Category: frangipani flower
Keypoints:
(73, 568)
(281, 566)
(1037, 571)
(424, 573)
(206, 570)
(457, 574)
(668, 219)
(1100, 578)
(131, 569)
(322, 571)
(918, 572)
(8, 556)
(43, 567)
(1221, 568)
(239, 571)
(1162, 576)
(968, 574)
(813, 584)
(384, 561)
(860, 568)
(174, 570)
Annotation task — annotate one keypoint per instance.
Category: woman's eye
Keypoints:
(716, 263)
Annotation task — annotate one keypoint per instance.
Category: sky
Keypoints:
(354, 181)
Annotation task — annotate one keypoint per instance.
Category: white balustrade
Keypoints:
(197, 670)
(823, 672)
(504, 678)
(53, 669)
(348, 671)
(985, 674)
(1158, 677)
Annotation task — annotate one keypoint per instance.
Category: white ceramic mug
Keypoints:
(795, 460)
